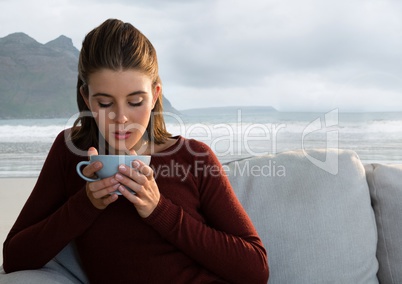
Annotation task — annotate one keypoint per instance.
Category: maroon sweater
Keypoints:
(198, 233)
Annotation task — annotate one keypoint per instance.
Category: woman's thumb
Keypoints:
(92, 151)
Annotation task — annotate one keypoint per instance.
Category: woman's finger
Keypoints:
(131, 180)
(105, 191)
(110, 199)
(133, 198)
(89, 171)
(101, 184)
(132, 174)
(143, 169)
(92, 151)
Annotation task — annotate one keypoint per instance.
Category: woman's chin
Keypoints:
(118, 149)
(123, 147)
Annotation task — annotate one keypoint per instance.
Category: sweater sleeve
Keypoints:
(227, 244)
(50, 218)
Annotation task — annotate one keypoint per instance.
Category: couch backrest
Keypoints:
(385, 183)
(312, 210)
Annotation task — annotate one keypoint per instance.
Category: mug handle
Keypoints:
(78, 168)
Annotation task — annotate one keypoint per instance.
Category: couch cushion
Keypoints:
(63, 269)
(385, 182)
(51, 273)
(69, 259)
(312, 211)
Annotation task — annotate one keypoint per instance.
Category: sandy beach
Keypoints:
(13, 194)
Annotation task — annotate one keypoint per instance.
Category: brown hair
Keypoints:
(115, 45)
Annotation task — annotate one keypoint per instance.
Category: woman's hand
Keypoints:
(99, 192)
(141, 180)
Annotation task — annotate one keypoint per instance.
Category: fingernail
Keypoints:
(122, 188)
(122, 168)
(119, 177)
(136, 164)
(97, 165)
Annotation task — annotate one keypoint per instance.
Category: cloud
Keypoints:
(291, 54)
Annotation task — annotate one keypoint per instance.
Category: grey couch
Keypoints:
(323, 215)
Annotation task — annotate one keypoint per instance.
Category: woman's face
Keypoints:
(121, 103)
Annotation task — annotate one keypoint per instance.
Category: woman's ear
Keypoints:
(84, 95)
(156, 94)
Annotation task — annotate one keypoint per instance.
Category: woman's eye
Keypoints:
(135, 104)
(104, 105)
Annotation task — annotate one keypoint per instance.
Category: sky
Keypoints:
(294, 55)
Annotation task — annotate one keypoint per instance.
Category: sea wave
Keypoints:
(32, 133)
(288, 127)
(47, 133)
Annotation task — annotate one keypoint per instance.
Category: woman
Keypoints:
(178, 227)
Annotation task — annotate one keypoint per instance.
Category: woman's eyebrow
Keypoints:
(110, 96)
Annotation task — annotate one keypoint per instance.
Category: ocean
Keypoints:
(233, 133)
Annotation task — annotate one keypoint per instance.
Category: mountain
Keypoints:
(39, 80)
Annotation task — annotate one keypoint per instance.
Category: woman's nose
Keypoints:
(120, 117)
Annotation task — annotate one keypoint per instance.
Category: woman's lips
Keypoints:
(122, 135)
